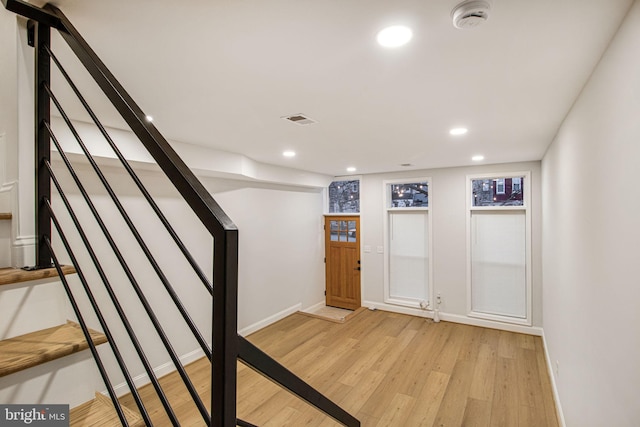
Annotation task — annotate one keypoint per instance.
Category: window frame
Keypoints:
(387, 210)
(526, 204)
(326, 200)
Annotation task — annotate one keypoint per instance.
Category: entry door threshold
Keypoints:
(332, 314)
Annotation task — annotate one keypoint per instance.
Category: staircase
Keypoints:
(29, 350)
(100, 412)
(113, 279)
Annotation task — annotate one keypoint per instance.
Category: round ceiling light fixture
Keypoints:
(394, 36)
(351, 169)
(478, 158)
(458, 131)
(470, 14)
(289, 153)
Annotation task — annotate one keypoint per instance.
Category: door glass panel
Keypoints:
(352, 231)
(408, 255)
(334, 231)
(343, 231)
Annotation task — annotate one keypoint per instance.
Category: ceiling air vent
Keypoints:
(470, 14)
(300, 119)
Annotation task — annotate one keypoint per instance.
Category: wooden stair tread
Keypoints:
(32, 349)
(100, 412)
(5, 215)
(10, 275)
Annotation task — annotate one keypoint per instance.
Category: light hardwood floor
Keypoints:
(388, 370)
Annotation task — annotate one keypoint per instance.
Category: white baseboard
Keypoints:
(23, 251)
(530, 330)
(521, 329)
(164, 369)
(398, 309)
(269, 320)
(554, 387)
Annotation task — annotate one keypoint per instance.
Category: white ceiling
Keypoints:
(222, 74)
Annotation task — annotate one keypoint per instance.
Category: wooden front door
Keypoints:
(342, 249)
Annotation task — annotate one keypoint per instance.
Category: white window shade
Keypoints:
(408, 255)
(498, 263)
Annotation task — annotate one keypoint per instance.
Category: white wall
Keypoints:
(281, 250)
(277, 209)
(448, 210)
(592, 243)
(16, 135)
(8, 93)
(281, 256)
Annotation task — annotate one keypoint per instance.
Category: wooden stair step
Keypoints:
(5, 215)
(10, 275)
(32, 349)
(100, 412)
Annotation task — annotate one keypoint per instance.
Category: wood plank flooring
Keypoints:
(388, 370)
(9, 276)
(100, 412)
(32, 349)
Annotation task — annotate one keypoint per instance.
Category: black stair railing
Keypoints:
(227, 345)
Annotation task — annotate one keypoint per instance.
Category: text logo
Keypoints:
(34, 415)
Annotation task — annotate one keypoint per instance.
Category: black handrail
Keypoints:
(191, 189)
(262, 363)
(98, 311)
(224, 231)
(105, 280)
(43, 144)
(134, 177)
(227, 344)
(125, 216)
(87, 334)
(30, 11)
(141, 296)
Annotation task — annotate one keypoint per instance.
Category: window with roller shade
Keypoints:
(408, 243)
(498, 233)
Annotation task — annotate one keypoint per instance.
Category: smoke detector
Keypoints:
(470, 14)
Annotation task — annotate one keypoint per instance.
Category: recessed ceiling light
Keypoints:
(477, 158)
(394, 36)
(458, 131)
(289, 153)
(149, 118)
(351, 169)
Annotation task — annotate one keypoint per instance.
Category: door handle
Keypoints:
(357, 268)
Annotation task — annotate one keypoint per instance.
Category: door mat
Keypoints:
(332, 314)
